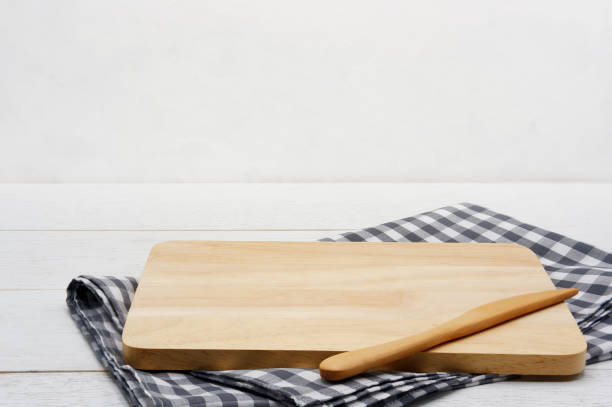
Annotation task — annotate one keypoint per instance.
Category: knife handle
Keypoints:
(347, 364)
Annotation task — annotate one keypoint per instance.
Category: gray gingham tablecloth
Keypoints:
(99, 306)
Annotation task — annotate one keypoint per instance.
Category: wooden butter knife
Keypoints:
(347, 364)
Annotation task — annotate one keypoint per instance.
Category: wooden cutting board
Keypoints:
(243, 305)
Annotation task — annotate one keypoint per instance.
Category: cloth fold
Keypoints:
(99, 306)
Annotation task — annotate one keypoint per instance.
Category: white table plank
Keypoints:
(578, 210)
(97, 389)
(39, 335)
(60, 389)
(49, 259)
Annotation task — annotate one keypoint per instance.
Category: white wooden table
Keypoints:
(51, 233)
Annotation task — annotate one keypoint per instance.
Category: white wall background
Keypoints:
(278, 90)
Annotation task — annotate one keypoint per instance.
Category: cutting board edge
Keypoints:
(231, 359)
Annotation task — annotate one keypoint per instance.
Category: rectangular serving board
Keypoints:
(220, 305)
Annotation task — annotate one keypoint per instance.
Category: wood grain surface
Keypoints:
(238, 305)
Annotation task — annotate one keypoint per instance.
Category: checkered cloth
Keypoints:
(99, 306)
